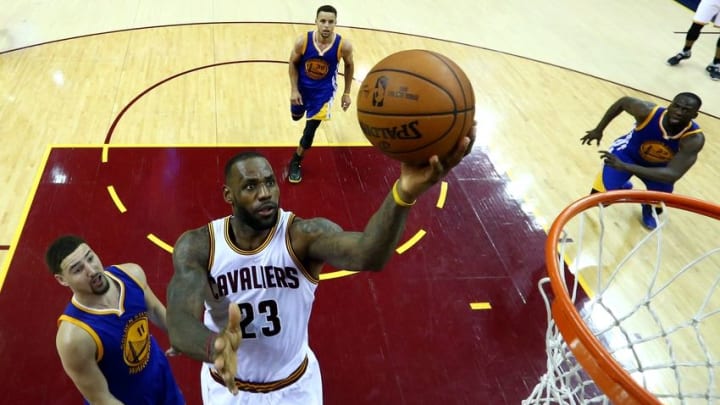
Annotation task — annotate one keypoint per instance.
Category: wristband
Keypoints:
(346, 94)
(399, 201)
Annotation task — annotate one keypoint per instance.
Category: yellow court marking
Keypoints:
(105, 153)
(443, 195)
(411, 242)
(116, 199)
(480, 305)
(23, 217)
(337, 274)
(164, 246)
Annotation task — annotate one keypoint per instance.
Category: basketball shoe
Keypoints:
(714, 71)
(648, 220)
(294, 172)
(677, 58)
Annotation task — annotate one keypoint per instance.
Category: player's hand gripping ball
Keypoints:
(415, 104)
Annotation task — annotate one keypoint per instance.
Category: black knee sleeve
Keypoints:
(694, 32)
(309, 133)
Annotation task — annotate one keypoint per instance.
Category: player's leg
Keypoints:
(650, 213)
(714, 67)
(690, 38)
(317, 113)
(611, 179)
(295, 171)
(297, 111)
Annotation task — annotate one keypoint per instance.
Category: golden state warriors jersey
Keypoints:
(134, 365)
(275, 295)
(649, 144)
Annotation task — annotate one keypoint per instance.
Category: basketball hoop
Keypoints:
(645, 327)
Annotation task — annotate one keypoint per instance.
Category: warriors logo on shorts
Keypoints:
(136, 343)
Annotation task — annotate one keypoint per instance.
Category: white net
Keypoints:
(651, 298)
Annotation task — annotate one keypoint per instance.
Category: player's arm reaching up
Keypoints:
(320, 240)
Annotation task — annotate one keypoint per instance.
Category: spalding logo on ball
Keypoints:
(414, 104)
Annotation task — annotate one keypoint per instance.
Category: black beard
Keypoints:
(105, 289)
(254, 222)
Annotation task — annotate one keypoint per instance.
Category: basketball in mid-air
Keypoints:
(415, 104)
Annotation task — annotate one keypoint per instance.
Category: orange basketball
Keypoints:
(414, 104)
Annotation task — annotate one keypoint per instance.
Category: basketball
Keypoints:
(415, 104)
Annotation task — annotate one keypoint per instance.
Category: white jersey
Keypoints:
(275, 295)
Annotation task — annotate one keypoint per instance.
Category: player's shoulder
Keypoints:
(194, 236)
(133, 270)
(193, 244)
(72, 335)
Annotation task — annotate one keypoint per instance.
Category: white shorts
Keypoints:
(307, 390)
(706, 10)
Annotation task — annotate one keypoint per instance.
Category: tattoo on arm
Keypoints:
(367, 250)
(186, 294)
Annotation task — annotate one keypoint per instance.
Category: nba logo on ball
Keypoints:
(415, 104)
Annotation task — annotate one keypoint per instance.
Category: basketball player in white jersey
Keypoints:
(255, 273)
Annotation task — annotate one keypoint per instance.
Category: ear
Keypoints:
(61, 280)
(227, 195)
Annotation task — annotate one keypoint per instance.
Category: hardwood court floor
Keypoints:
(224, 85)
(389, 338)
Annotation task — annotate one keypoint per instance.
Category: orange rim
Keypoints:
(612, 378)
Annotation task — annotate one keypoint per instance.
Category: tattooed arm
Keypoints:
(186, 295)
(320, 240)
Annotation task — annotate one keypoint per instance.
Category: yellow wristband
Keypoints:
(346, 94)
(399, 201)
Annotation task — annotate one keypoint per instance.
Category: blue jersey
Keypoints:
(317, 73)
(134, 365)
(648, 144)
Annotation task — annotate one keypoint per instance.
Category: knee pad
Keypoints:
(694, 32)
(309, 133)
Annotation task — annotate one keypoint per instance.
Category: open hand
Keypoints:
(611, 160)
(226, 346)
(592, 135)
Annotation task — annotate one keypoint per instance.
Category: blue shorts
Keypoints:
(612, 179)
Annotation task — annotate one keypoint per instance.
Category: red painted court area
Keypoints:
(406, 335)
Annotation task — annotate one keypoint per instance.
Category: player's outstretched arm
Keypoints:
(372, 248)
(186, 295)
(637, 108)
(77, 352)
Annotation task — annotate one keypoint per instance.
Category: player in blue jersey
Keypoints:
(659, 150)
(313, 70)
(103, 337)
